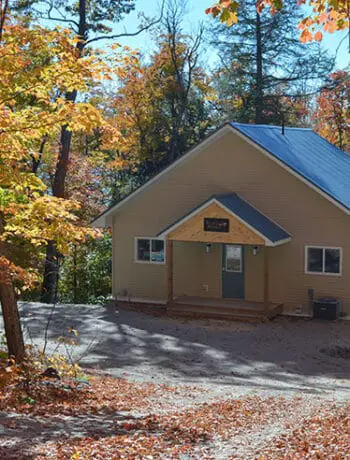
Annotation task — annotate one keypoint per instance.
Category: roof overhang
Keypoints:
(254, 224)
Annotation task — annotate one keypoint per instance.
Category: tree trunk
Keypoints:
(259, 86)
(3, 13)
(51, 271)
(13, 331)
(340, 132)
(49, 286)
(75, 274)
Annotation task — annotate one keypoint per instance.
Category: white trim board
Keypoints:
(229, 211)
(323, 273)
(150, 238)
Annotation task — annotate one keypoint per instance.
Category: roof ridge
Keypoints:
(253, 125)
(219, 195)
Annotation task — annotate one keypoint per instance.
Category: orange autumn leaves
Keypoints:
(147, 94)
(327, 15)
(114, 431)
(331, 116)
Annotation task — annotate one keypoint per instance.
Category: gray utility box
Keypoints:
(326, 308)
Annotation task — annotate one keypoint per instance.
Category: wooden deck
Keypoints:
(238, 310)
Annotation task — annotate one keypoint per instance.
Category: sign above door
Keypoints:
(215, 224)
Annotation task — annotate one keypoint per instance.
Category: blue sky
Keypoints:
(196, 13)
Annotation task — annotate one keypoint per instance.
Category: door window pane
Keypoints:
(143, 250)
(157, 254)
(315, 260)
(233, 258)
(332, 260)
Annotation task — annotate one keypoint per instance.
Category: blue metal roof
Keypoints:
(254, 218)
(268, 229)
(308, 154)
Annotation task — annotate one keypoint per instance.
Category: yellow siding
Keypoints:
(196, 271)
(232, 165)
(254, 274)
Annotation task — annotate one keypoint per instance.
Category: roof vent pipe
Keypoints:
(283, 126)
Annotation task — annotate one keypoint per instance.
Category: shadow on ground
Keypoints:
(25, 433)
(283, 355)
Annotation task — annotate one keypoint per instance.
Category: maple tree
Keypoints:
(331, 116)
(327, 15)
(36, 64)
(90, 23)
(162, 106)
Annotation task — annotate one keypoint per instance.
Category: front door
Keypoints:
(233, 271)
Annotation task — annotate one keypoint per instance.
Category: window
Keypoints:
(323, 260)
(149, 250)
(233, 258)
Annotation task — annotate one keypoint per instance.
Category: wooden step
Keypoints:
(240, 312)
(227, 310)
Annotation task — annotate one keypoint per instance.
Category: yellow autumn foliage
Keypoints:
(37, 68)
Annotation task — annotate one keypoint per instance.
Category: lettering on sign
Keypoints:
(214, 224)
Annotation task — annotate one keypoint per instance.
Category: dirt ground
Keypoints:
(286, 356)
(306, 362)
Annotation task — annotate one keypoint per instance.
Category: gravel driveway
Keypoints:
(283, 357)
(305, 361)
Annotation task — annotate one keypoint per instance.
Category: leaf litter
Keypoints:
(118, 419)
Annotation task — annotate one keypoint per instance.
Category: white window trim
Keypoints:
(148, 261)
(315, 246)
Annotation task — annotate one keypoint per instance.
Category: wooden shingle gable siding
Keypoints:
(193, 229)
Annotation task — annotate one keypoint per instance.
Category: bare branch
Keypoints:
(47, 15)
(36, 161)
(71, 21)
(131, 34)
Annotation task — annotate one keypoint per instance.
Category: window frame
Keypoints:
(240, 259)
(323, 272)
(150, 238)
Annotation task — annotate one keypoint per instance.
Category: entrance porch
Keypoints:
(223, 246)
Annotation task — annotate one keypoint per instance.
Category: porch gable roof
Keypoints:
(269, 231)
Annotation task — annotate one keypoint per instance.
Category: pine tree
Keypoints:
(262, 62)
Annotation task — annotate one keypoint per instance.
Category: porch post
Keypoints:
(170, 269)
(266, 277)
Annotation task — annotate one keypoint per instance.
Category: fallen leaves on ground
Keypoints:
(128, 420)
(325, 436)
(101, 394)
(169, 436)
